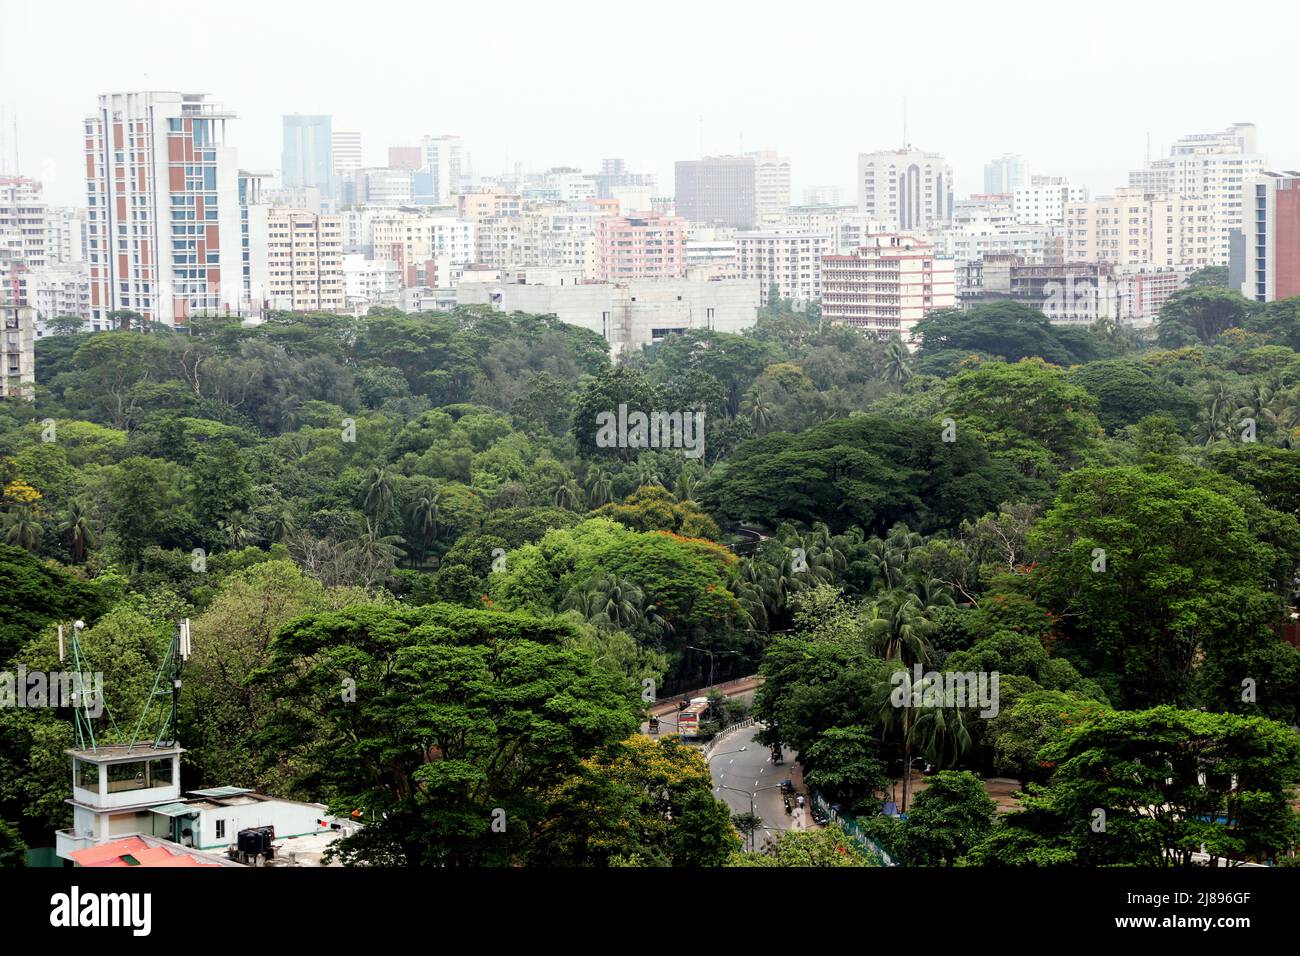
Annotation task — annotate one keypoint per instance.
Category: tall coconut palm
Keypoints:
(383, 550)
(600, 488)
(379, 493)
(76, 524)
(924, 720)
(898, 363)
(235, 531)
(761, 416)
(608, 600)
(424, 512)
(23, 529)
(568, 495)
(884, 562)
(901, 630)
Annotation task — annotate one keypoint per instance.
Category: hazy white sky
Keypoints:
(1076, 87)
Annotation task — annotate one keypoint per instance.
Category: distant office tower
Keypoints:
(444, 165)
(405, 157)
(347, 161)
(905, 187)
(382, 186)
(614, 175)
(346, 148)
(1266, 256)
(1003, 176)
(640, 247)
(1212, 167)
(1043, 200)
(163, 222)
(887, 286)
(771, 185)
(721, 190)
(308, 158)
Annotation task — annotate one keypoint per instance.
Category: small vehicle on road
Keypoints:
(787, 785)
(777, 756)
(786, 801)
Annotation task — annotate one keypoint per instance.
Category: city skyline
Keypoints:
(1077, 134)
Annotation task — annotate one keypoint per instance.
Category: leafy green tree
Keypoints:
(829, 846)
(652, 799)
(949, 817)
(1200, 314)
(1145, 570)
(1171, 782)
(845, 765)
(430, 720)
(35, 594)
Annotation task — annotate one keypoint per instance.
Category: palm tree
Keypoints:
(23, 530)
(424, 512)
(761, 416)
(379, 492)
(234, 531)
(383, 550)
(568, 495)
(931, 594)
(600, 488)
(281, 525)
(884, 562)
(609, 600)
(898, 363)
(900, 628)
(77, 523)
(937, 730)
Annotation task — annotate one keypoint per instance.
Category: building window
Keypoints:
(221, 829)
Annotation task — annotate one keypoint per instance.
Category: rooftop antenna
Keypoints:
(905, 144)
(701, 136)
(177, 653)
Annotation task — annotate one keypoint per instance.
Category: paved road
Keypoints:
(742, 766)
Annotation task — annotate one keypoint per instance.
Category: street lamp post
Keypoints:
(750, 794)
(711, 653)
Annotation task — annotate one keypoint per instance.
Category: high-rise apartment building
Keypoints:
(412, 240)
(1211, 167)
(790, 261)
(345, 147)
(720, 190)
(1137, 230)
(640, 247)
(304, 261)
(163, 218)
(1266, 261)
(614, 175)
(1042, 202)
(17, 352)
(444, 164)
(907, 188)
(771, 185)
(887, 286)
(1004, 175)
(308, 157)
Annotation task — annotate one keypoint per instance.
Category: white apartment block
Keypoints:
(1043, 201)
(346, 149)
(906, 188)
(1136, 230)
(24, 229)
(792, 261)
(771, 184)
(304, 262)
(444, 162)
(628, 315)
(65, 234)
(382, 186)
(369, 282)
(847, 227)
(163, 220)
(17, 352)
(887, 286)
(560, 236)
(57, 290)
(412, 239)
(1213, 168)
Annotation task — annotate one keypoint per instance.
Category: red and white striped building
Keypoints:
(163, 224)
